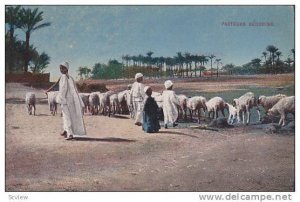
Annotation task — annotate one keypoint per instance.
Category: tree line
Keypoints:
(270, 62)
(188, 65)
(20, 54)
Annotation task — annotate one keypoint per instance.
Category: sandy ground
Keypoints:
(118, 156)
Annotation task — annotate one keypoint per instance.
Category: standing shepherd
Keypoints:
(137, 96)
(150, 120)
(170, 103)
(71, 104)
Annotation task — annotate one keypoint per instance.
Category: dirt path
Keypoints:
(118, 156)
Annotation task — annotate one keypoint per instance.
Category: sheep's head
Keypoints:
(271, 113)
(235, 102)
(261, 99)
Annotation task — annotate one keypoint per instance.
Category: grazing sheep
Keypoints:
(104, 99)
(232, 113)
(244, 104)
(114, 103)
(214, 105)
(267, 102)
(283, 107)
(30, 101)
(195, 104)
(129, 104)
(94, 103)
(52, 101)
(183, 105)
(85, 99)
(123, 102)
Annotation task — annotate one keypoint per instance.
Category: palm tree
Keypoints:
(201, 69)
(196, 60)
(180, 60)
(265, 56)
(149, 61)
(12, 18)
(188, 63)
(211, 57)
(293, 52)
(272, 49)
(30, 21)
(40, 62)
(218, 61)
(278, 54)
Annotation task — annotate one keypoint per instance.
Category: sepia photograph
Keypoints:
(149, 98)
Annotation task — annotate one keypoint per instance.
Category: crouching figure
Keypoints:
(150, 120)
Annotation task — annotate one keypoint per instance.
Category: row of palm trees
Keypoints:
(181, 65)
(28, 21)
(272, 57)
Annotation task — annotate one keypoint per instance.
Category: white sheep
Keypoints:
(214, 105)
(52, 102)
(232, 113)
(94, 103)
(244, 104)
(194, 104)
(114, 103)
(30, 101)
(283, 107)
(104, 99)
(158, 98)
(85, 99)
(129, 105)
(183, 105)
(122, 100)
(267, 102)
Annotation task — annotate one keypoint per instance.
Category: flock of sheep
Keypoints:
(119, 103)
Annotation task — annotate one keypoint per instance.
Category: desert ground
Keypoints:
(116, 155)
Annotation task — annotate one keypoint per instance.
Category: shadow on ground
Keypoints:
(107, 139)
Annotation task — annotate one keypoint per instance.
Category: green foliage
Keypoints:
(112, 70)
(84, 72)
(20, 53)
(39, 62)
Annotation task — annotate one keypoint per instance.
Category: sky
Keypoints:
(85, 35)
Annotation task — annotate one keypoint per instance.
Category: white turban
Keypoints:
(65, 64)
(138, 75)
(168, 84)
(146, 88)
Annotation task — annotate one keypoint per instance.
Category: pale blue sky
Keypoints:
(85, 35)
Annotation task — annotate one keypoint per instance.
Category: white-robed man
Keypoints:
(137, 96)
(170, 103)
(71, 105)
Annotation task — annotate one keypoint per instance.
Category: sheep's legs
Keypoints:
(185, 115)
(223, 112)
(191, 114)
(258, 112)
(282, 120)
(215, 113)
(243, 116)
(229, 118)
(248, 117)
(198, 115)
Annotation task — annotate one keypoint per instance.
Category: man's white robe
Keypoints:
(71, 105)
(170, 103)
(137, 97)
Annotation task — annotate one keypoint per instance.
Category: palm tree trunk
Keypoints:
(26, 56)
